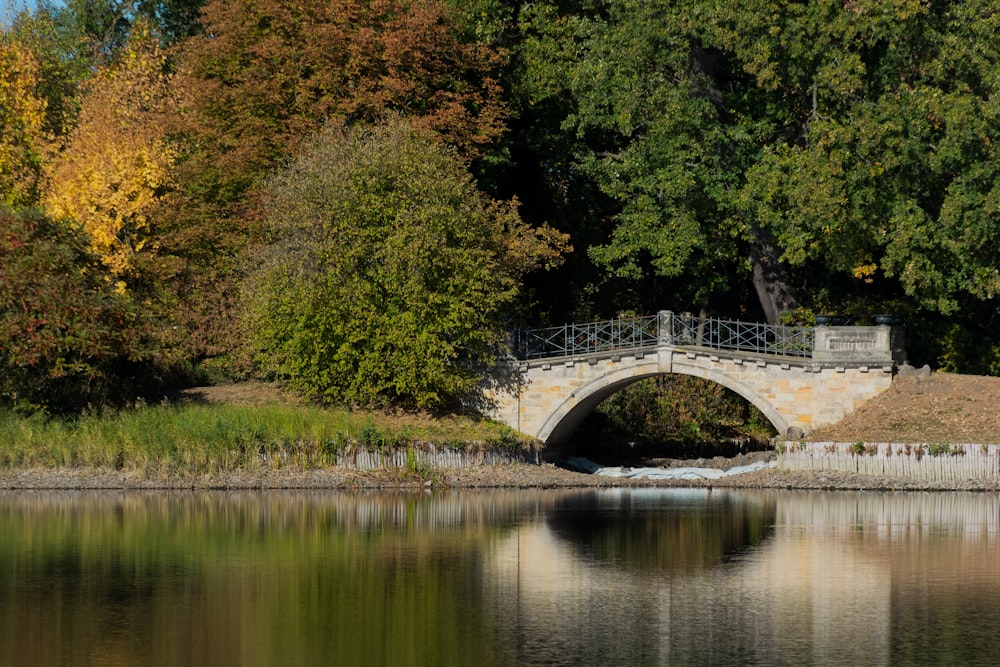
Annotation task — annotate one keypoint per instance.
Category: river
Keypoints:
(514, 577)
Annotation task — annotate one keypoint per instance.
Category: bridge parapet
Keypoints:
(878, 344)
(824, 344)
(684, 330)
(574, 340)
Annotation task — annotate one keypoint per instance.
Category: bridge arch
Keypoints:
(571, 410)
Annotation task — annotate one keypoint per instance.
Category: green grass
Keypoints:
(212, 438)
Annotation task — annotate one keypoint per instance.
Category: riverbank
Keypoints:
(941, 408)
(521, 475)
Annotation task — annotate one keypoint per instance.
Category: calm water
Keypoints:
(642, 577)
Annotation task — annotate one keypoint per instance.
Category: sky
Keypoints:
(9, 8)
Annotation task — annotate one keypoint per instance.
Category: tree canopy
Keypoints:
(753, 159)
(830, 154)
(116, 163)
(260, 77)
(22, 119)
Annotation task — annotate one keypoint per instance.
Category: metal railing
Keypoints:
(666, 328)
(571, 340)
(776, 339)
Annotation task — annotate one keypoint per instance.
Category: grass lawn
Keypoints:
(219, 430)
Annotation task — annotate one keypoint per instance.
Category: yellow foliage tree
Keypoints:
(22, 117)
(116, 164)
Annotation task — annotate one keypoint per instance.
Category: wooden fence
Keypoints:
(935, 462)
(892, 516)
(430, 456)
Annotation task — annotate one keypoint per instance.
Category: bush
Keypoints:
(388, 273)
(66, 337)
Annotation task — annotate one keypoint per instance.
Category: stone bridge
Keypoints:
(801, 378)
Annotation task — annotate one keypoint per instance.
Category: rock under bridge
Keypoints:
(801, 378)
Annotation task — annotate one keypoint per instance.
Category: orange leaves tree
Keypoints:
(262, 75)
(265, 74)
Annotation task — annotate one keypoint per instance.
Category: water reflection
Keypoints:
(646, 529)
(507, 577)
(597, 581)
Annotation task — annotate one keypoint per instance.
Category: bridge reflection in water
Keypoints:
(835, 579)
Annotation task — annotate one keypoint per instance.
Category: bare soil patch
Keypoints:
(940, 408)
(241, 393)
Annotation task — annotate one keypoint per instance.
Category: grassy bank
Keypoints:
(198, 439)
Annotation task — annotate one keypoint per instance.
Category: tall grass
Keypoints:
(212, 438)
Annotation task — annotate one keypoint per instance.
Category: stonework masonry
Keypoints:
(798, 395)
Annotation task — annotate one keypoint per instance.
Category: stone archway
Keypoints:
(569, 414)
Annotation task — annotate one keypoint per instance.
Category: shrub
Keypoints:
(66, 336)
(388, 273)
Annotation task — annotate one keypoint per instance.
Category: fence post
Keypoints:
(665, 328)
(699, 338)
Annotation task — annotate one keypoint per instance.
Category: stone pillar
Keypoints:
(665, 327)
(880, 344)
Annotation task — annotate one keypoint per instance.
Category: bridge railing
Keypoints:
(756, 337)
(571, 340)
(667, 328)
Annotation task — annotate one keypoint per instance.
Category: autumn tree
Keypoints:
(66, 339)
(389, 272)
(65, 49)
(267, 73)
(263, 75)
(46, 54)
(116, 164)
(22, 121)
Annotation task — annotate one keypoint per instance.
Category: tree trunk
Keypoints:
(770, 279)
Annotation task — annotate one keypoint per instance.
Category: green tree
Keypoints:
(628, 122)
(894, 174)
(174, 19)
(102, 27)
(784, 145)
(389, 272)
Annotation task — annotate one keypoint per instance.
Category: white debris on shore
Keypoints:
(586, 465)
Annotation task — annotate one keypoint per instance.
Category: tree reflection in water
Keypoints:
(498, 578)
